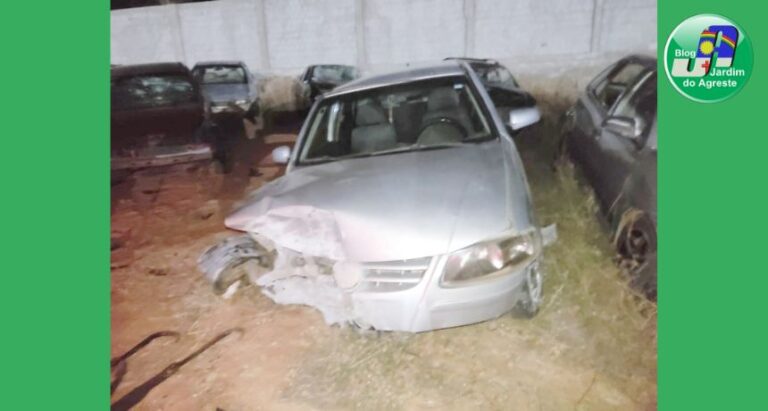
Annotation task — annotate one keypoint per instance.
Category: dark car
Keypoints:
(610, 134)
(502, 87)
(158, 116)
(322, 78)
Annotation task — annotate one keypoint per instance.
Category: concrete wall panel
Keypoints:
(145, 35)
(212, 32)
(402, 31)
(287, 35)
(303, 32)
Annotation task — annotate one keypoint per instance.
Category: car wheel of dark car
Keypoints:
(636, 248)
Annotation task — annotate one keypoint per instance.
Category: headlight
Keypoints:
(241, 102)
(490, 257)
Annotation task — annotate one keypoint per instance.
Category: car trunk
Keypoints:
(155, 126)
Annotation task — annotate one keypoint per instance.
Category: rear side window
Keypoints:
(607, 90)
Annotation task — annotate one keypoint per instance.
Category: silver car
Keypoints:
(228, 86)
(404, 206)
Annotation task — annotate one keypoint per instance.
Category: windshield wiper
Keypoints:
(325, 159)
(411, 148)
(416, 147)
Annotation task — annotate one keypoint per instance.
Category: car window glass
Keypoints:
(151, 91)
(223, 75)
(640, 104)
(334, 73)
(494, 74)
(425, 113)
(610, 89)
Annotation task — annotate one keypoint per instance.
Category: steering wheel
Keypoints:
(443, 121)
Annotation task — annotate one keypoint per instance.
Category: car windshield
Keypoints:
(222, 75)
(494, 74)
(334, 74)
(152, 91)
(421, 115)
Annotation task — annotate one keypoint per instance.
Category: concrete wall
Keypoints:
(287, 35)
(300, 32)
(401, 31)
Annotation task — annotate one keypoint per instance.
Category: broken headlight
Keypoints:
(490, 257)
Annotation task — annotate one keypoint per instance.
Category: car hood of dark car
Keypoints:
(393, 207)
(223, 93)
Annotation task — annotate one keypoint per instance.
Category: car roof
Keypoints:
(153, 68)
(646, 61)
(331, 65)
(220, 63)
(472, 60)
(446, 69)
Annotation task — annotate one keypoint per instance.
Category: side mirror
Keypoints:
(520, 118)
(281, 155)
(626, 127)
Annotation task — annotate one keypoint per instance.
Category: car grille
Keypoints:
(394, 275)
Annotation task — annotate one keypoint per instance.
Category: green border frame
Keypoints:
(55, 185)
(712, 201)
(55, 179)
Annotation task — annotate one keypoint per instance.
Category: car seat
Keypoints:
(372, 131)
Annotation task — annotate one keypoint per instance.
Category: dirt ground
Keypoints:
(592, 346)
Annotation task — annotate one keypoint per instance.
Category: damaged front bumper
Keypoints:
(405, 295)
(428, 305)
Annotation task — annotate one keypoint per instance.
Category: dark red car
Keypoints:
(158, 117)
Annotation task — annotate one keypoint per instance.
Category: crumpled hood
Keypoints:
(392, 207)
(223, 93)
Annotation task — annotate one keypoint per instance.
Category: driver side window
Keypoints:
(608, 89)
(639, 104)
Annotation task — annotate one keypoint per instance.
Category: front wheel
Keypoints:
(532, 293)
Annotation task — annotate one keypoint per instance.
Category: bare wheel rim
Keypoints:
(534, 287)
(637, 243)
